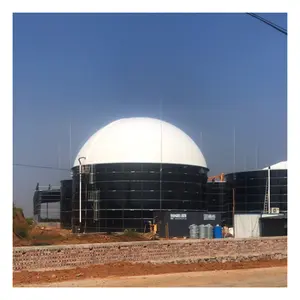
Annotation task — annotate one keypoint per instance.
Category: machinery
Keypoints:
(219, 178)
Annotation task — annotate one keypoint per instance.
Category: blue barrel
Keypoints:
(218, 232)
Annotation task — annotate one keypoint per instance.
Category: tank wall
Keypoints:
(66, 204)
(120, 196)
(250, 190)
(216, 199)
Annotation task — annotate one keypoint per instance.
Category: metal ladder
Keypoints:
(96, 205)
(266, 206)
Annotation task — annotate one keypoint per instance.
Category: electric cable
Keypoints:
(40, 167)
(275, 26)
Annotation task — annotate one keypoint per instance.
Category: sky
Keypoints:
(211, 72)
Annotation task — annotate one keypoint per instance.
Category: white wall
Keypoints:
(246, 225)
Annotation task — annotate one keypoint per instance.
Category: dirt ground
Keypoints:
(259, 277)
(130, 269)
(37, 235)
(43, 236)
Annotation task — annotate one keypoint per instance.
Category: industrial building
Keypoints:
(134, 169)
(42, 197)
(178, 223)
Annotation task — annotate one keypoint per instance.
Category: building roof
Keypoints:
(279, 166)
(141, 140)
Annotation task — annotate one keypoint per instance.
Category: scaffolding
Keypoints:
(45, 199)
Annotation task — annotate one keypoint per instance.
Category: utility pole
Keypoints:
(233, 149)
(58, 153)
(201, 141)
(257, 153)
(70, 144)
(233, 207)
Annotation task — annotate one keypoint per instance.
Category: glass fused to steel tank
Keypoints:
(216, 196)
(66, 204)
(250, 191)
(131, 168)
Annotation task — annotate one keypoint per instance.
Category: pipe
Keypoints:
(80, 186)
(233, 206)
(269, 190)
(161, 154)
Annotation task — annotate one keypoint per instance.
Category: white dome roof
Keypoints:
(279, 166)
(140, 140)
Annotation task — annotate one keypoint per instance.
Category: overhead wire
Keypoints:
(40, 167)
(275, 26)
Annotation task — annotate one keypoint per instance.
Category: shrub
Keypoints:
(131, 232)
(21, 231)
(17, 210)
(29, 221)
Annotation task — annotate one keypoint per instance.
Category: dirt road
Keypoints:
(262, 277)
(123, 269)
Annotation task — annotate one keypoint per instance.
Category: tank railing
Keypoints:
(46, 188)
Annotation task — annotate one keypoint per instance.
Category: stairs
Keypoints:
(266, 207)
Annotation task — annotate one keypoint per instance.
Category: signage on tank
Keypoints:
(209, 217)
(178, 216)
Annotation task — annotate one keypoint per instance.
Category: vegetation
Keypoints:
(21, 231)
(29, 221)
(20, 225)
(17, 210)
(131, 232)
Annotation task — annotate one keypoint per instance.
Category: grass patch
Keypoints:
(43, 237)
(21, 232)
(131, 232)
(29, 221)
(17, 210)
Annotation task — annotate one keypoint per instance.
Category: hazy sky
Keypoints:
(211, 72)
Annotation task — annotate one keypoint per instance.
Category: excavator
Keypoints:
(220, 177)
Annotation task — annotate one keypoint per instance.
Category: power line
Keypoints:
(275, 26)
(40, 167)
